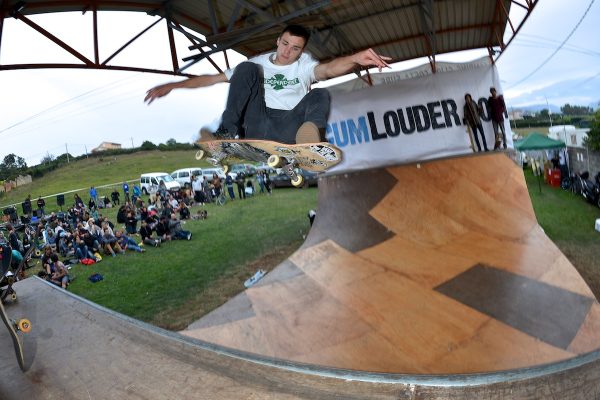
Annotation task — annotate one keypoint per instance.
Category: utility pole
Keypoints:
(67, 153)
(549, 112)
(131, 142)
(86, 153)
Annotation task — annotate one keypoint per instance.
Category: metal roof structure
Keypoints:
(401, 29)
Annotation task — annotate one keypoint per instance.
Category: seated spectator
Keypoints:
(162, 229)
(56, 272)
(184, 211)
(176, 230)
(127, 243)
(131, 223)
(81, 249)
(110, 242)
(146, 232)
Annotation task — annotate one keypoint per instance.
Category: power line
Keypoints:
(66, 102)
(558, 48)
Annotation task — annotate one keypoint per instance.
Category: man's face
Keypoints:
(289, 49)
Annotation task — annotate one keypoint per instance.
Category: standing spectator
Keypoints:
(115, 197)
(260, 177)
(497, 111)
(27, 206)
(126, 191)
(137, 193)
(472, 117)
(79, 205)
(41, 204)
(198, 192)
(94, 194)
(13, 238)
(229, 184)
(267, 183)
(240, 183)
(217, 185)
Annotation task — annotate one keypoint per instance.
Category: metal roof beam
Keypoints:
(238, 36)
(131, 41)
(228, 39)
(428, 29)
(15, 13)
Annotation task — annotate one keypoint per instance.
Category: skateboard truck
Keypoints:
(200, 154)
(276, 161)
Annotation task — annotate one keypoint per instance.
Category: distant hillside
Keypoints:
(82, 174)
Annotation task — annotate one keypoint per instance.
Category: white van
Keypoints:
(183, 176)
(149, 182)
(208, 173)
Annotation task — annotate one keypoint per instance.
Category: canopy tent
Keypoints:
(537, 141)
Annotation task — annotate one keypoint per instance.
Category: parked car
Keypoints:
(208, 173)
(149, 182)
(282, 180)
(247, 169)
(183, 176)
(265, 167)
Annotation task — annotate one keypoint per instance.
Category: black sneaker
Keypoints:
(223, 134)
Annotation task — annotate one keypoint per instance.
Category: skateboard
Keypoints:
(316, 157)
(470, 134)
(13, 327)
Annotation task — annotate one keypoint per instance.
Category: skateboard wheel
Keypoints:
(298, 181)
(199, 154)
(225, 169)
(274, 161)
(38, 253)
(24, 325)
(13, 297)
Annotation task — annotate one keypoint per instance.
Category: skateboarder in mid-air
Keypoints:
(270, 96)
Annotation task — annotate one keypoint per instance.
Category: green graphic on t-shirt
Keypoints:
(279, 81)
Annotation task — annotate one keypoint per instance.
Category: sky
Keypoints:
(48, 112)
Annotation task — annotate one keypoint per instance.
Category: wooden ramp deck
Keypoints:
(416, 282)
(433, 268)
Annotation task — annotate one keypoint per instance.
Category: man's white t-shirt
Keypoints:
(285, 85)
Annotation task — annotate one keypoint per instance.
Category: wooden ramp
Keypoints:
(428, 281)
(434, 268)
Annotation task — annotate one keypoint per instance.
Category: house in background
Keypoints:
(106, 146)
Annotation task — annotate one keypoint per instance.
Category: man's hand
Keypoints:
(158, 91)
(343, 65)
(367, 58)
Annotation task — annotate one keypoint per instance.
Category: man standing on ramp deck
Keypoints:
(270, 97)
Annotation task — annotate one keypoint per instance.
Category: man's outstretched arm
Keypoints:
(191, 83)
(343, 65)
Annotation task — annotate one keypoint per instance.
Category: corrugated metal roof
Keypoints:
(401, 29)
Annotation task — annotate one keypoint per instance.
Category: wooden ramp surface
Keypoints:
(416, 282)
(433, 268)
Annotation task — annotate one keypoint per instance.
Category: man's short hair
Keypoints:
(297, 30)
(492, 89)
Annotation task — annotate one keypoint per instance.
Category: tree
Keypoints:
(544, 113)
(593, 137)
(148, 145)
(11, 166)
(171, 142)
(568, 109)
(48, 158)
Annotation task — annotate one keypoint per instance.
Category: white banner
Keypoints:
(411, 115)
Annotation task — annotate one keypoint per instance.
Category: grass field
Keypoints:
(569, 221)
(175, 284)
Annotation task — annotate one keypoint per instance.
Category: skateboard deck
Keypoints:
(316, 157)
(13, 326)
(310, 156)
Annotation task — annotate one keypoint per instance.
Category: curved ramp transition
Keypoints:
(420, 281)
